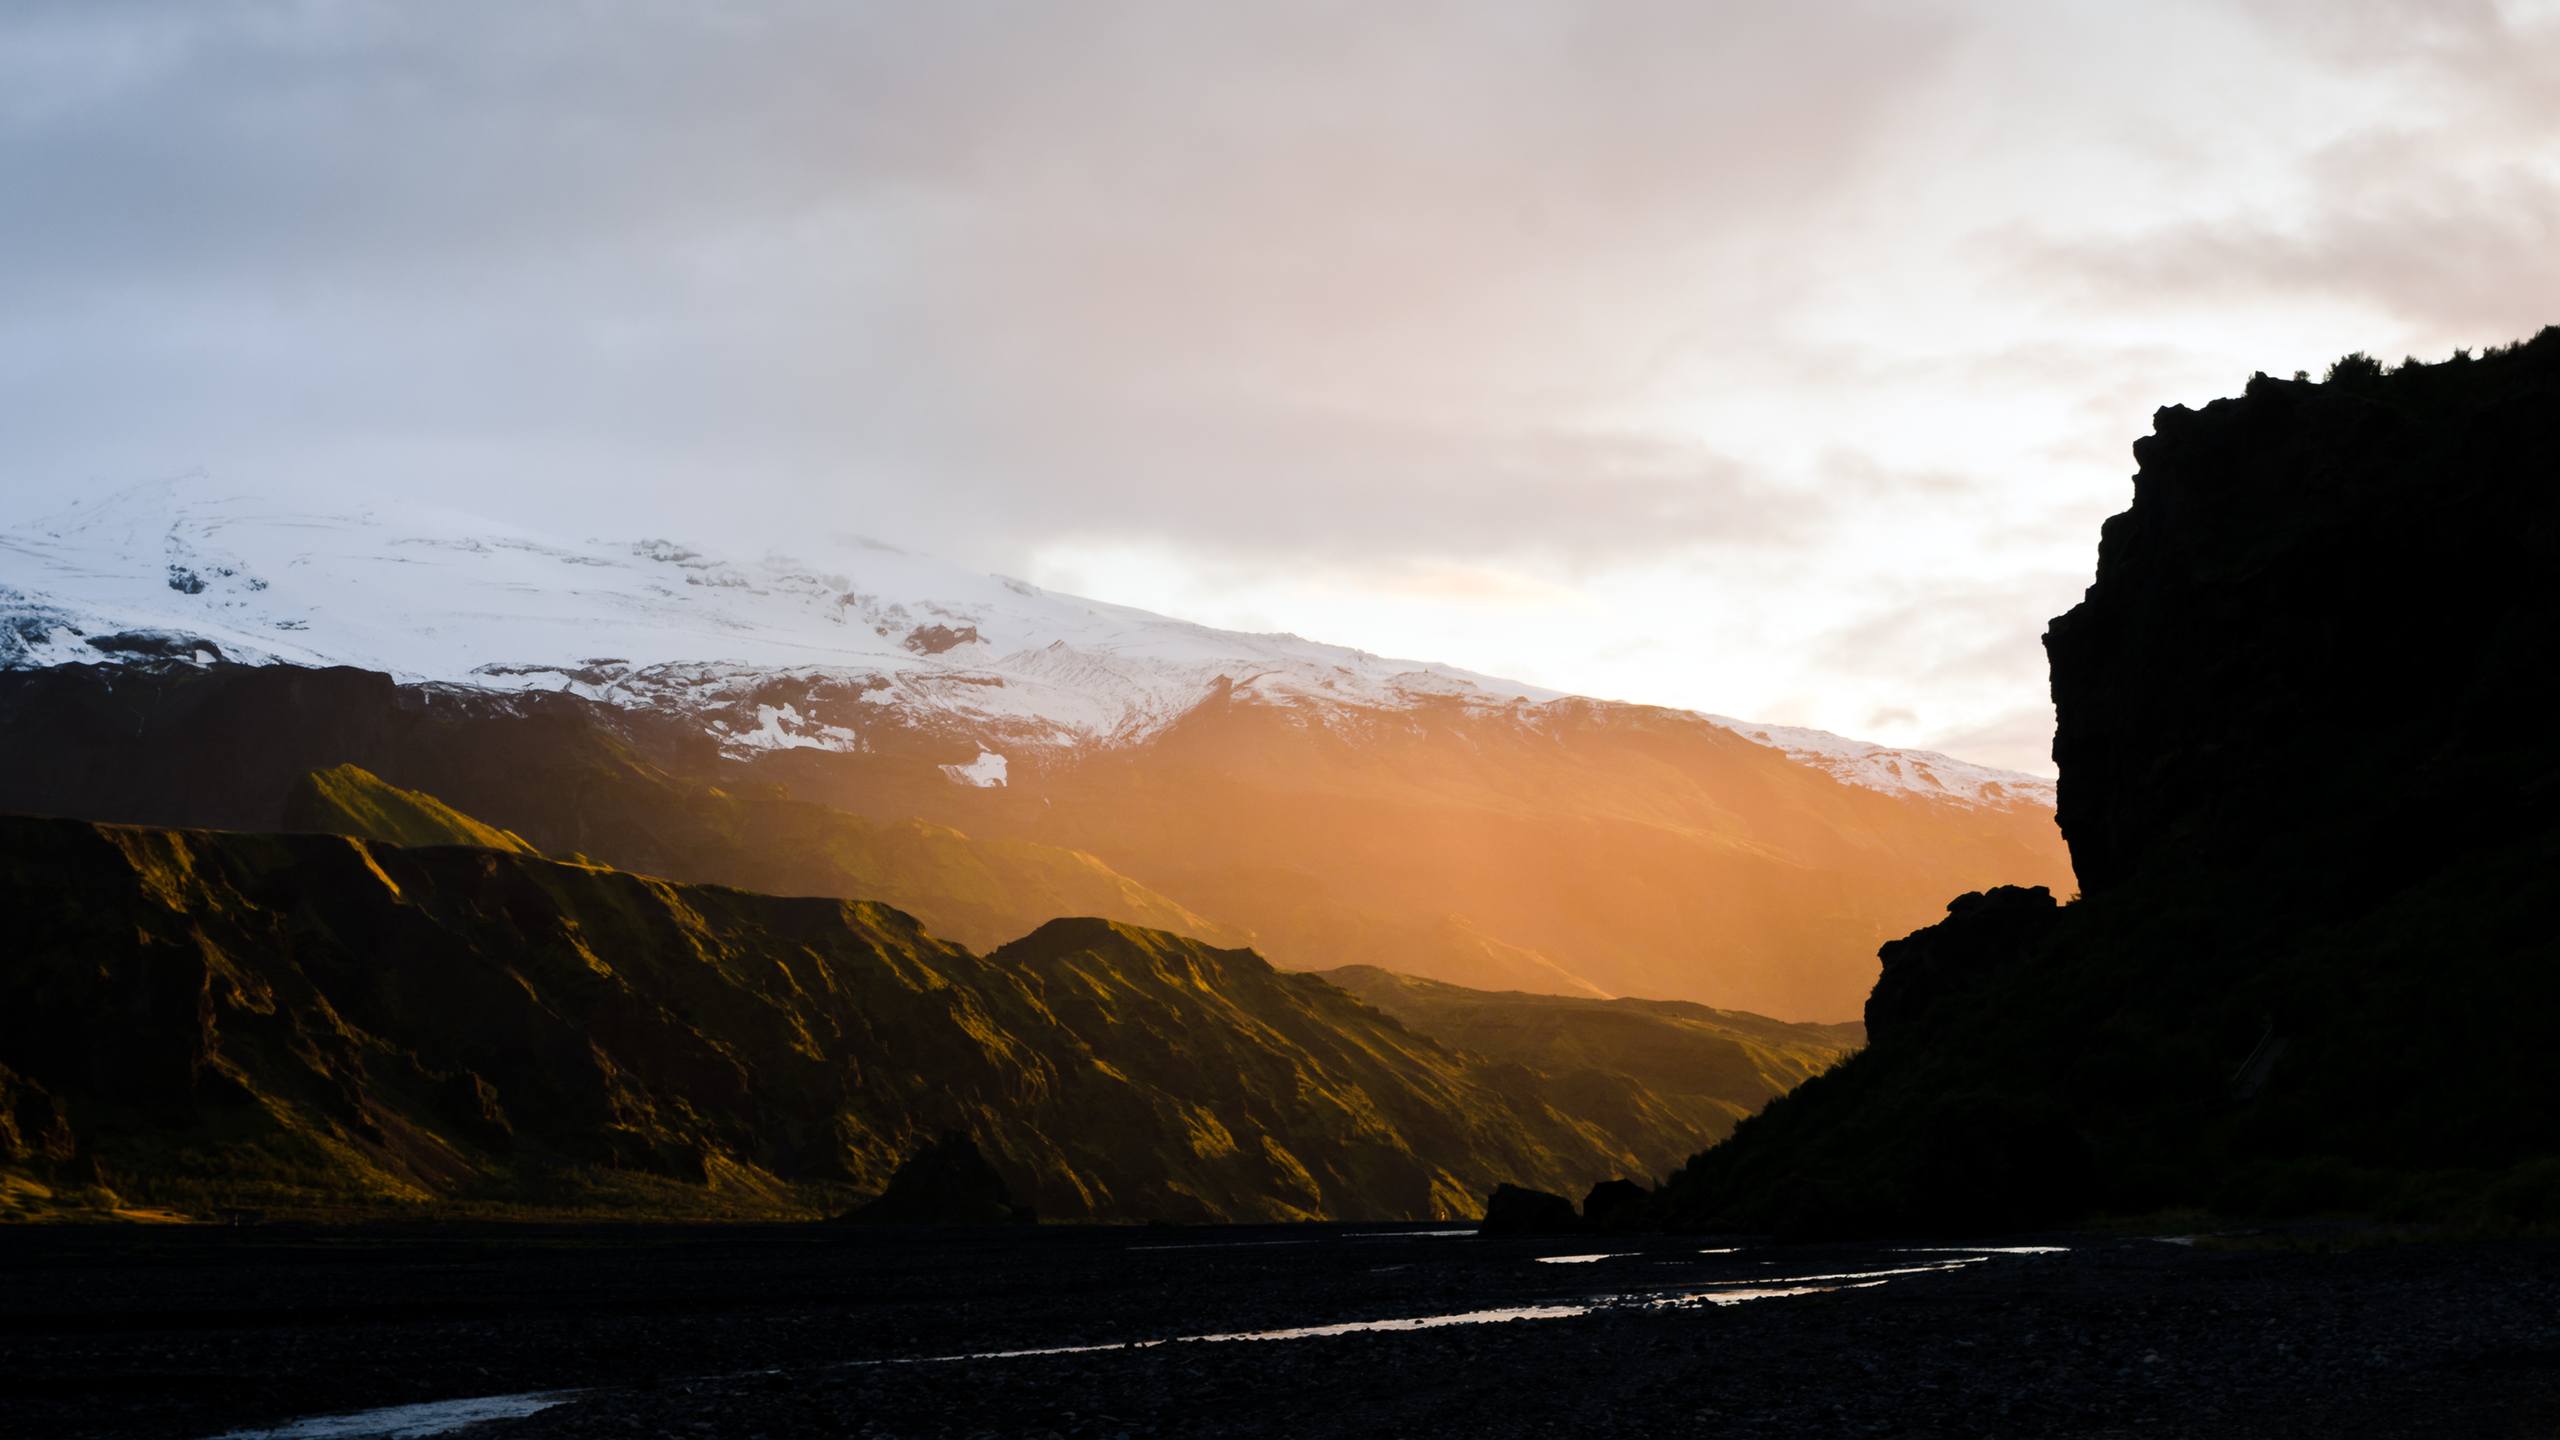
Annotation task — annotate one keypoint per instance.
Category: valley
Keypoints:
(1566, 720)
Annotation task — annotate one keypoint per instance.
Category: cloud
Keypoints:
(1951, 638)
(2020, 739)
(1475, 585)
(2435, 208)
(1319, 276)
(1804, 342)
(2389, 233)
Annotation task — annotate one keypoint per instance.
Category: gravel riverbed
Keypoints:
(785, 1331)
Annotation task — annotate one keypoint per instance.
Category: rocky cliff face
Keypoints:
(2309, 790)
(1985, 934)
(2326, 621)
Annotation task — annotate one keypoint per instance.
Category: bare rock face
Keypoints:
(936, 639)
(2327, 617)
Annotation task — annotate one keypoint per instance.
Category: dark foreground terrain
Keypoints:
(787, 1331)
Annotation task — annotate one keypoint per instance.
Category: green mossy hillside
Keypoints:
(351, 800)
(324, 1025)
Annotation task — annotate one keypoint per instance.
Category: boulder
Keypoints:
(1617, 1205)
(1516, 1210)
(948, 1182)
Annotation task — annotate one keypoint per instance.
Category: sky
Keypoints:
(1778, 360)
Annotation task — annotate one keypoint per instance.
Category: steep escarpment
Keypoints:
(2310, 793)
(320, 1023)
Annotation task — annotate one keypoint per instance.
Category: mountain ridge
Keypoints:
(772, 653)
(1600, 850)
(332, 1025)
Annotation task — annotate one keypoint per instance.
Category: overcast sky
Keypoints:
(1778, 360)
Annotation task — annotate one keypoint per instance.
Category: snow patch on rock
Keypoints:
(985, 772)
(1924, 773)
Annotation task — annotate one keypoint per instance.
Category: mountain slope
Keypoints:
(1591, 849)
(320, 1022)
(233, 747)
(351, 800)
(1710, 1067)
(2306, 783)
(840, 651)
(1326, 804)
(1586, 848)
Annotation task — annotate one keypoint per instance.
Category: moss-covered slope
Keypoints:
(312, 1022)
(351, 800)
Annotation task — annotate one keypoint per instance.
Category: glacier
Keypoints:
(805, 650)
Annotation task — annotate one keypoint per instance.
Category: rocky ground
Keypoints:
(813, 1331)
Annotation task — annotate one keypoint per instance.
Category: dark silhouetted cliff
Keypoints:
(2310, 787)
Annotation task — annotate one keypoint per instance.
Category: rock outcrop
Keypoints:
(1984, 932)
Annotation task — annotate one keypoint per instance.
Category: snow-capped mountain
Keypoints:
(820, 648)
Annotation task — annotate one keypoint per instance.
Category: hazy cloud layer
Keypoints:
(1772, 358)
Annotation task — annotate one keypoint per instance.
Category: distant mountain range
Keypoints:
(866, 723)
(858, 640)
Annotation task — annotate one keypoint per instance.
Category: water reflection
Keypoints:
(1729, 1294)
(408, 1422)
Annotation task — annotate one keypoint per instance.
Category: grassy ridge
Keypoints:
(351, 800)
(317, 1023)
